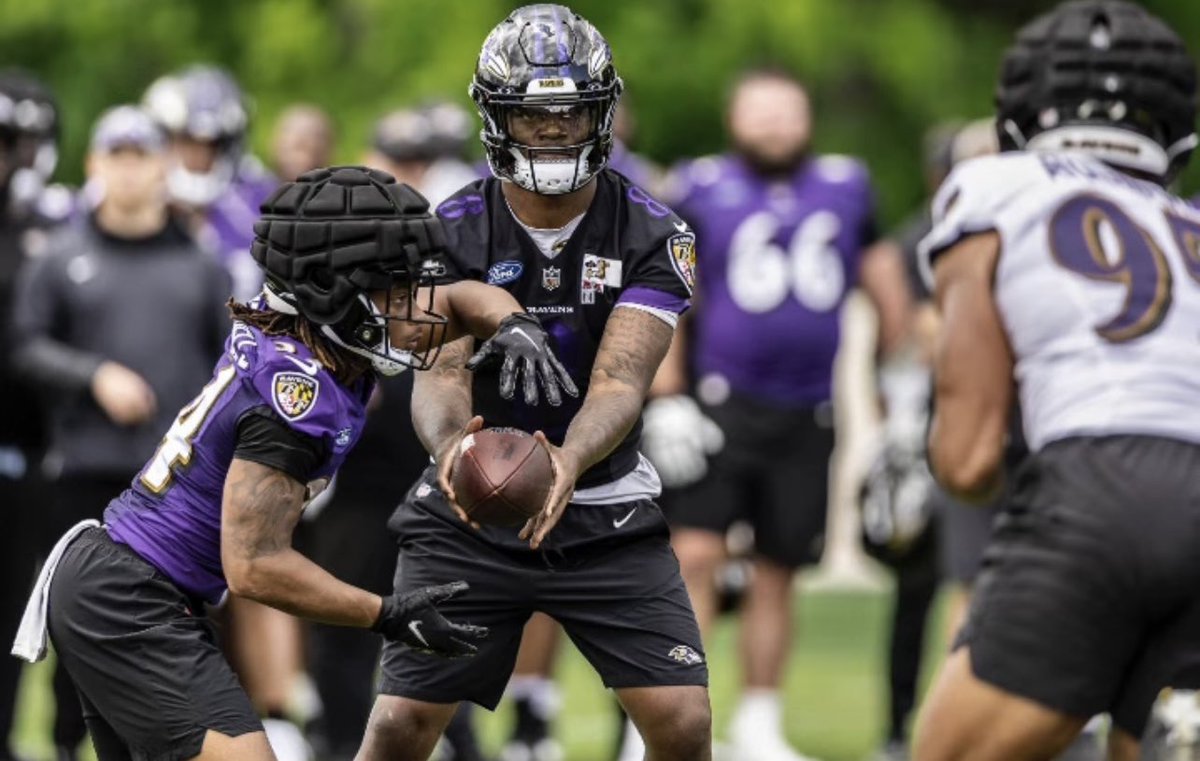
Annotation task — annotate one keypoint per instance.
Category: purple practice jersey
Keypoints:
(229, 227)
(636, 169)
(778, 256)
(171, 515)
(628, 250)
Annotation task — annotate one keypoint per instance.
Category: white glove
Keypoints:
(678, 438)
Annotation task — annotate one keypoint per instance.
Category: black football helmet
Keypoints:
(206, 104)
(334, 235)
(546, 57)
(1103, 76)
(29, 132)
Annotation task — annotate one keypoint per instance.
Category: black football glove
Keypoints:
(525, 347)
(414, 619)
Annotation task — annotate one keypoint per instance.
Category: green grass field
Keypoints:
(835, 686)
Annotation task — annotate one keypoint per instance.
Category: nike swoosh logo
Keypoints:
(309, 366)
(680, 226)
(415, 628)
(523, 334)
(623, 521)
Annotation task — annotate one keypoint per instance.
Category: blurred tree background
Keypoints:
(880, 71)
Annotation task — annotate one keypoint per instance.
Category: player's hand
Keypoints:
(447, 455)
(123, 395)
(678, 438)
(524, 346)
(413, 619)
(566, 472)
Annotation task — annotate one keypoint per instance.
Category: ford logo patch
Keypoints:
(504, 272)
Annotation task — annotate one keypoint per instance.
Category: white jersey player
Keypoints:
(1065, 269)
(1097, 284)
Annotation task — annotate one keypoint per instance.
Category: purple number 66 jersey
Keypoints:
(171, 514)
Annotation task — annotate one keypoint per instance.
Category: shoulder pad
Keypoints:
(972, 198)
(283, 373)
(467, 202)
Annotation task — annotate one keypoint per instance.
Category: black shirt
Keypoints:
(628, 249)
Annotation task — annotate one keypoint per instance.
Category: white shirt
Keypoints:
(1098, 289)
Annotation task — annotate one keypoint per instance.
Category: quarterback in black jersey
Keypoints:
(607, 270)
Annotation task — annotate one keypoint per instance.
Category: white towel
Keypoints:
(30, 642)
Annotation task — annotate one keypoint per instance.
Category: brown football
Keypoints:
(502, 476)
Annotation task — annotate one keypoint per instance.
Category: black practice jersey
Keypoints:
(628, 250)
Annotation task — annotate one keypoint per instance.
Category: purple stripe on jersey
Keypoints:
(651, 297)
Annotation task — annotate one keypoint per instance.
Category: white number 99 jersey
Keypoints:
(1098, 287)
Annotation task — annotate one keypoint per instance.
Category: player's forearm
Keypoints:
(260, 507)
(602, 423)
(672, 375)
(478, 308)
(633, 346)
(441, 400)
(294, 584)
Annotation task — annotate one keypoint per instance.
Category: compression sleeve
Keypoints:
(265, 439)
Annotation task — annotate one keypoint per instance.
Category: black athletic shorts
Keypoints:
(772, 473)
(963, 534)
(1089, 598)
(606, 573)
(142, 653)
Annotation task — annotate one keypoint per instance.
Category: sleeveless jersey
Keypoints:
(171, 515)
(1098, 288)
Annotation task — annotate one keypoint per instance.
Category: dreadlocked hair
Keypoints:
(346, 366)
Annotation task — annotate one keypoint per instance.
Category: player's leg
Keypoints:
(789, 519)
(144, 656)
(917, 581)
(534, 694)
(675, 722)
(267, 647)
(624, 605)
(700, 515)
(403, 729)
(1065, 609)
(965, 718)
(701, 552)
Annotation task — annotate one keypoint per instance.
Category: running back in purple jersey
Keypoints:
(779, 257)
(629, 249)
(229, 227)
(171, 515)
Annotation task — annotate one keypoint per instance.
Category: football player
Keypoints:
(349, 257)
(609, 269)
(206, 114)
(787, 235)
(28, 155)
(1064, 267)
(219, 187)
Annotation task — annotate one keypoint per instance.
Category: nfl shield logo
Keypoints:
(551, 278)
